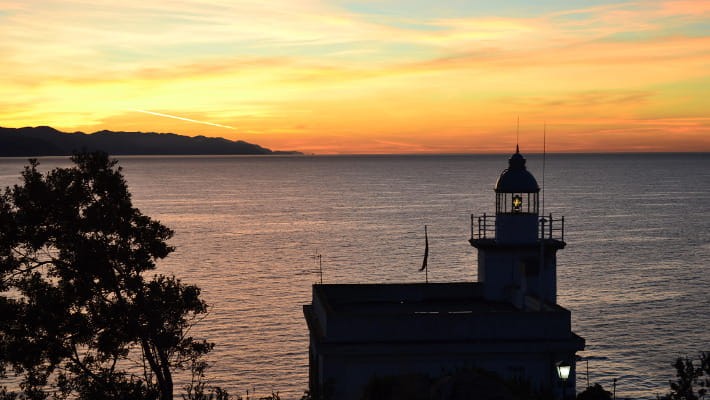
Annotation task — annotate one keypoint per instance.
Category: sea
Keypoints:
(635, 273)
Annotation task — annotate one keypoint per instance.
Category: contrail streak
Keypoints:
(181, 118)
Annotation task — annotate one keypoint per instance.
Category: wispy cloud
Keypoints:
(181, 118)
(304, 71)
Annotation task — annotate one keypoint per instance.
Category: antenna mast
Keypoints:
(542, 219)
(320, 267)
(517, 134)
(318, 258)
(544, 156)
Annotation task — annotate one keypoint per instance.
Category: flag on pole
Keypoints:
(426, 250)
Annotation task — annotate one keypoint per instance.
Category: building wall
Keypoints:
(349, 372)
(510, 274)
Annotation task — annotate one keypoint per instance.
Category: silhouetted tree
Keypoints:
(595, 392)
(692, 381)
(704, 382)
(78, 316)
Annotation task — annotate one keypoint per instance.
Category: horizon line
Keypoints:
(306, 152)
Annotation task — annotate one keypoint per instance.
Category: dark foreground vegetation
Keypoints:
(692, 381)
(80, 316)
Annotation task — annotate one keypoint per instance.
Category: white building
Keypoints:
(507, 323)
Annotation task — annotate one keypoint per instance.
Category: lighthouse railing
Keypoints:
(551, 228)
(484, 227)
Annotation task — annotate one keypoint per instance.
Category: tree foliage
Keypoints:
(692, 381)
(596, 392)
(79, 317)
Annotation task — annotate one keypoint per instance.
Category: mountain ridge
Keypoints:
(48, 141)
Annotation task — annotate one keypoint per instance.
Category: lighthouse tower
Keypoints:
(517, 246)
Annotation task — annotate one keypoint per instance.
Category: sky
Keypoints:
(389, 76)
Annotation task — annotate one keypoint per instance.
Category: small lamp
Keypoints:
(563, 369)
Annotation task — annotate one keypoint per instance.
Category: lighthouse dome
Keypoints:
(516, 179)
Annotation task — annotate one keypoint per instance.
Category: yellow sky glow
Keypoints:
(348, 77)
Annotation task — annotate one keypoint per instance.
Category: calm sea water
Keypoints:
(634, 273)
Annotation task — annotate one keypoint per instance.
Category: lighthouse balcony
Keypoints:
(486, 227)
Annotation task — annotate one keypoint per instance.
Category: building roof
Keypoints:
(516, 179)
(447, 312)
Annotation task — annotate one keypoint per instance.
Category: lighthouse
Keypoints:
(395, 336)
(517, 246)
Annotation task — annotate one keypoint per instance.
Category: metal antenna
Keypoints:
(542, 219)
(544, 156)
(317, 256)
(517, 133)
(320, 267)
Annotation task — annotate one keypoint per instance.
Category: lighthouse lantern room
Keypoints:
(517, 205)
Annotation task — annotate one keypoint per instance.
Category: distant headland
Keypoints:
(47, 141)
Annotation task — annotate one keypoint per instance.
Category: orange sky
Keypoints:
(388, 76)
